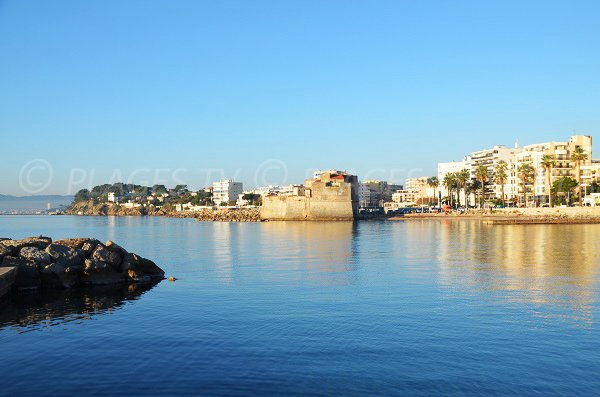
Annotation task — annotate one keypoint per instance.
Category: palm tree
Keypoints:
(462, 177)
(578, 155)
(481, 173)
(547, 164)
(474, 186)
(449, 180)
(501, 176)
(433, 182)
(526, 173)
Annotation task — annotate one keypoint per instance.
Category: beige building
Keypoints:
(331, 195)
(416, 191)
(564, 166)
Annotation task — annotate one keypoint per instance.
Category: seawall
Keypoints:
(300, 208)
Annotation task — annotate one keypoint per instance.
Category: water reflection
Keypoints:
(29, 311)
(552, 265)
(314, 248)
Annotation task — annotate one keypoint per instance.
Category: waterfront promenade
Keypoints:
(556, 215)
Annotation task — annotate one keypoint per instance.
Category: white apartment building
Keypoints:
(532, 155)
(452, 166)
(226, 191)
(364, 195)
(490, 158)
(446, 168)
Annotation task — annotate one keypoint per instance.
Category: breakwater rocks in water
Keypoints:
(88, 208)
(111, 209)
(229, 215)
(68, 263)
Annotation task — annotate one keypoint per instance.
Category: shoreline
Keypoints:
(497, 216)
(519, 216)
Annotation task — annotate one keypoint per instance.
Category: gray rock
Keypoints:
(56, 275)
(102, 254)
(78, 243)
(35, 255)
(113, 247)
(65, 255)
(28, 273)
(4, 251)
(88, 247)
(136, 268)
(16, 245)
(100, 273)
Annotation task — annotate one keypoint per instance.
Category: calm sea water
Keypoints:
(368, 308)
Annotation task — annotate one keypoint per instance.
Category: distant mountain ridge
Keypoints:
(32, 203)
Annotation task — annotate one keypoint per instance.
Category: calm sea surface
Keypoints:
(366, 308)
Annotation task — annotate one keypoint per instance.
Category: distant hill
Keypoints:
(32, 203)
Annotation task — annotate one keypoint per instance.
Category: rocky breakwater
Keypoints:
(111, 209)
(68, 263)
(229, 215)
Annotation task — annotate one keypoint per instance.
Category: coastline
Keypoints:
(505, 216)
(518, 216)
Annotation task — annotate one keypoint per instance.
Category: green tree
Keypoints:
(578, 155)
(434, 182)
(449, 182)
(251, 197)
(81, 195)
(525, 173)
(566, 186)
(548, 164)
(181, 189)
(462, 177)
(481, 173)
(159, 189)
(501, 177)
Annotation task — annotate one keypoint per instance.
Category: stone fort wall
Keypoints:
(321, 202)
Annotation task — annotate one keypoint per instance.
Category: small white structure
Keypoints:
(111, 197)
(188, 207)
(592, 199)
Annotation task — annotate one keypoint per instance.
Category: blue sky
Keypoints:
(265, 91)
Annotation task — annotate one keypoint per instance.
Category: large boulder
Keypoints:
(78, 243)
(28, 273)
(16, 245)
(89, 246)
(35, 255)
(65, 255)
(139, 269)
(102, 254)
(4, 251)
(56, 275)
(113, 247)
(100, 273)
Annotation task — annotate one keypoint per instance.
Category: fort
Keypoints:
(331, 195)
